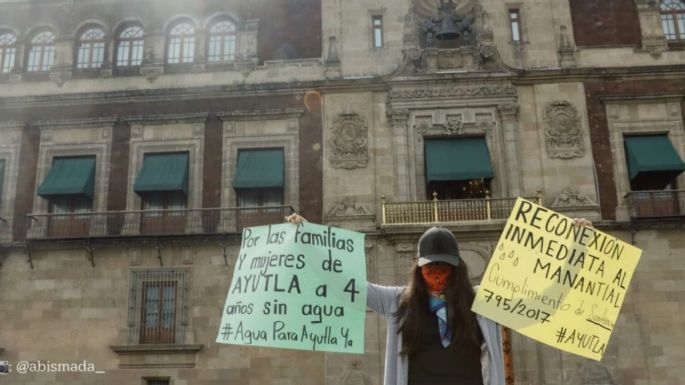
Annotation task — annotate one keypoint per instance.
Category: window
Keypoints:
(222, 38)
(8, 52)
(457, 168)
(91, 49)
(66, 204)
(460, 189)
(68, 188)
(253, 197)
(69, 185)
(377, 23)
(515, 23)
(164, 200)
(259, 178)
(181, 47)
(157, 306)
(673, 19)
(653, 163)
(163, 181)
(130, 47)
(41, 52)
(162, 185)
(157, 381)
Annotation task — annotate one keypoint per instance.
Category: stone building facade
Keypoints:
(355, 99)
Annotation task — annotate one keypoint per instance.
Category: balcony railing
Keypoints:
(656, 203)
(458, 210)
(152, 222)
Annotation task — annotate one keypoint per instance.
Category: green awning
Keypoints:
(259, 169)
(652, 153)
(163, 172)
(69, 176)
(457, 159)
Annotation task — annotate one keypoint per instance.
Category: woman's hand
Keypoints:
(580, 222)
(295, 218)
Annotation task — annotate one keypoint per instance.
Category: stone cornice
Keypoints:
(366, 84)
(106, 121)
(607, 73)
(261, 114)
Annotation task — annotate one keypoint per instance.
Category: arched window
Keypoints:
(673, 19)
(130, 47)
(41, 52)
(181, 47)
(8, 51)
(221, 42)
(91, 49)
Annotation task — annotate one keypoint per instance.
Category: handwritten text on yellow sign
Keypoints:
(556, 282)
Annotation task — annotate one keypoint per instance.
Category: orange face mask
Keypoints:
(435, 276)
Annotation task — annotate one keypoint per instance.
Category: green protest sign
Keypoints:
(297, 287)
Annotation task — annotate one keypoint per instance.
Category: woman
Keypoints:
(433, 337)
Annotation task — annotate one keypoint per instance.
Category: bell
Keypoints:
(447, 30)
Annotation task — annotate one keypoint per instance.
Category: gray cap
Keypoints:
(438, 244)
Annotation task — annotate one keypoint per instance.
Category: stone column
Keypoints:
(247, 40)
(200, 50)
(63, 67)
(398, 119)
(20, 60)
(509, 113)
(153, 57)
(653, 39)
(246, 54)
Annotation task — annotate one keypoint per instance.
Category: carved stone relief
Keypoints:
(60, 75)
(349, 142)
(348, 207)
(473, 50)
(455, 92)
(452, 124)
(246, 67)
(563, 135)
(571, 198)
(151, 73)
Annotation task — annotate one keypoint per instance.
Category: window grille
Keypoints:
(8, 52)
(222, 42)
(130, 47)
(91, 49)
(41, 54)
(158, 310)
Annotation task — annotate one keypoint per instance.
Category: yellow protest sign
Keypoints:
(556, 282)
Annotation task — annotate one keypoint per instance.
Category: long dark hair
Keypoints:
(414, 309)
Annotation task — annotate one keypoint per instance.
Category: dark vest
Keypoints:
(434, 364)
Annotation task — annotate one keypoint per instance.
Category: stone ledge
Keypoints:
(156, 355)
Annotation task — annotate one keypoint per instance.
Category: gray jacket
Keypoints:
(385, 300)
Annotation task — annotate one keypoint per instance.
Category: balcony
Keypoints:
(656, 204)
(152, 222)
(449, 211)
